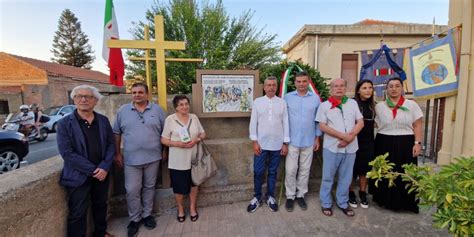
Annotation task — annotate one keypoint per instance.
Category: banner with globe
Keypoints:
(433, 68)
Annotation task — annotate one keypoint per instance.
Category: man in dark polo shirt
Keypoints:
(86, 143)
(139, 124)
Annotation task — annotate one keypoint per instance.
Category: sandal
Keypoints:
(347, 211)
(195, 217)
(181, 218)
(326, 211)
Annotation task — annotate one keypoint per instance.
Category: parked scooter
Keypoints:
(12, 123)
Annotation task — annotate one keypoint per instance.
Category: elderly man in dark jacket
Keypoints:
(86, 143)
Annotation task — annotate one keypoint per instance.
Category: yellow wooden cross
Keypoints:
(160, 45)
(147, 59)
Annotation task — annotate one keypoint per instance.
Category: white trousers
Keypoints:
(297, 167)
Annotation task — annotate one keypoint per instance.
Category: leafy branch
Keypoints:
(450, 191)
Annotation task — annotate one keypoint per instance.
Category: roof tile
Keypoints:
(60, 70)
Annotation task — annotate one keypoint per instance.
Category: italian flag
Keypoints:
(113, 56)
(285, 77)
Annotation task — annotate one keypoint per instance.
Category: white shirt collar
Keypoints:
(268, 98)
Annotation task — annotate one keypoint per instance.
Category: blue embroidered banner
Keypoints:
(433, 68)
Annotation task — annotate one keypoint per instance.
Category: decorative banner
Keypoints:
(381, 66)
(433, 68)
(285, 77)
(227, 93)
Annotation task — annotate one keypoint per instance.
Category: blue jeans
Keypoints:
(273, 158)
(342, 164)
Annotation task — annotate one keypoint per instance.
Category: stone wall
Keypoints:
(109, 105)
(31, 201)
(57, 91)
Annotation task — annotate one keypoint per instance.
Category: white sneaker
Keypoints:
(272, 204)
(364, 203)
(254, 204)
(353, 200)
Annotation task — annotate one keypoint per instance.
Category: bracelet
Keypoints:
(417, 143)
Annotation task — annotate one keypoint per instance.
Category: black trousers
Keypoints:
(80, 198)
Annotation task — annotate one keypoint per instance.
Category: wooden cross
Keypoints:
(159, 45)
(147, 59)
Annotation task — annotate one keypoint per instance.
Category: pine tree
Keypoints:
(71, 45)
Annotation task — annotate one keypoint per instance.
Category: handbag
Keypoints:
(203, 165)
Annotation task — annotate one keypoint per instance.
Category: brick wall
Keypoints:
(56, 92)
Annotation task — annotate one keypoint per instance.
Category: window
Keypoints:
(67, 110)
(4, 107)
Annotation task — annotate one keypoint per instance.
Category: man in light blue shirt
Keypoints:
(304, 140)
(269, 132)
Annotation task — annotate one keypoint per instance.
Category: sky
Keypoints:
(27, 26)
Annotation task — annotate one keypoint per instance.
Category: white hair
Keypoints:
(92, 89)
(331, 84)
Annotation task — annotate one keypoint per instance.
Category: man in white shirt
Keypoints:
(27, 119)
(269, 132)
(340, 120)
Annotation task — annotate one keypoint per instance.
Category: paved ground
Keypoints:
(233, 220)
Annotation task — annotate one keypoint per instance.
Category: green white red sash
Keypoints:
(285, 77)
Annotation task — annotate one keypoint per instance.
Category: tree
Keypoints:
(450, 191)
(278, 69)
(223, 42)
(70, 44)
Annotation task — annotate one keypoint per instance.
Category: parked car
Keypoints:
(13, 148)
(56, 113)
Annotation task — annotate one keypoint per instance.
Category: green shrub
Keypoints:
(450, 191)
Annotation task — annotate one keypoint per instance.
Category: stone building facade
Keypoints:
(333, 49)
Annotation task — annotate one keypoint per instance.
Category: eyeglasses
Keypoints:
(87, 97)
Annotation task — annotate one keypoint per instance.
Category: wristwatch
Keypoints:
(285, 143)
(417, 143)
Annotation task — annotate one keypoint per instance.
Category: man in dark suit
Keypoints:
(86, 143)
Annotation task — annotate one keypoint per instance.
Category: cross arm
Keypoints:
(131, 44)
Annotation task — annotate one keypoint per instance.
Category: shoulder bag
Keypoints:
(203, 165)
